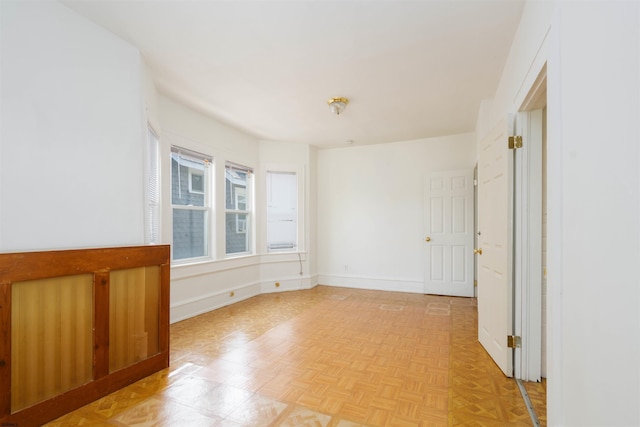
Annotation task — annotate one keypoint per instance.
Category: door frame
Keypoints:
(528, 232)
(528, 247)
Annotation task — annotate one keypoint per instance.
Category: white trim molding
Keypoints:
(373, 283)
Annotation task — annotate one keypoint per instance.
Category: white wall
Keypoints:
(592, 51)
(370, 210)
(594, 106)
(71, 134)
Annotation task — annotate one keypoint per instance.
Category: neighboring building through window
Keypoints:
(238, 194)
(282, 211)
(191, 203)
(196, 181)
(152, 189)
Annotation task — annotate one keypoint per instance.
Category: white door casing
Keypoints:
(495, 225)
(448, 207)
(528, 245)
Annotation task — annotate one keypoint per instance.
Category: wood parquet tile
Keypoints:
(326, 357)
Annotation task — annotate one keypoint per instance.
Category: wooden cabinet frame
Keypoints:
(19, 267)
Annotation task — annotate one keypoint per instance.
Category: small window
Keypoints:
(241, 225)
(196, 181)
(191, 204)
(282, 211)
(239, 191)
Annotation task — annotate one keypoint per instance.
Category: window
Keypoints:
(238, 187)
(282, 211)
(196, 181)
(191, 203)
(152, 189)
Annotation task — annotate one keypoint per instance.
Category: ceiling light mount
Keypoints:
(337, 105)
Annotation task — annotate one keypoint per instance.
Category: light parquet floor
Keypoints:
(326, 357)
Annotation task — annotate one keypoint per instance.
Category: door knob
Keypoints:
(477, 251)
(428, 239)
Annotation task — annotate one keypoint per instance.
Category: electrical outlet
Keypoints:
(277, 284)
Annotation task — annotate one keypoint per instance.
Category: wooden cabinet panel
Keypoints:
(77, 325)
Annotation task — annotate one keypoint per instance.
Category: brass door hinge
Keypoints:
(513, 341)
(515, 142)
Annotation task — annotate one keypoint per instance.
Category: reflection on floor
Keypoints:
(324, 357)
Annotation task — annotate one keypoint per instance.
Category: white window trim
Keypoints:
(249, 197)
(208, 202)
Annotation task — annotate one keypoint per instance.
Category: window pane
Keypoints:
(183, 171)
(237, 232)
(196, 182)
(236, 189)
(189, 233)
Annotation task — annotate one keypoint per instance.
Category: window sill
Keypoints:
(190, 262)
(210, 266)
(203, 267)
(238, 255)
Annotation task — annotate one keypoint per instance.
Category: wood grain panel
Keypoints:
(165, 280)
(55, 326)
(51, 337)
(5, 348)
(133, 307)
(101, 321)
(152, 309)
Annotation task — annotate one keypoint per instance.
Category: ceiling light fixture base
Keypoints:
(337, 105)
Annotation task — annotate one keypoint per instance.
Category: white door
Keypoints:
(495, 224)
(448, 206)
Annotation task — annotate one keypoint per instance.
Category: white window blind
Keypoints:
(282, 211)
(152, 207)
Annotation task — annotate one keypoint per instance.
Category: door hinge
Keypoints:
(515, 142)
(513, 341)
(475, 283)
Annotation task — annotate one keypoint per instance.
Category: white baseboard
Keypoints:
(186, 309)
(372, 283)
(182, 310)
(288, 284)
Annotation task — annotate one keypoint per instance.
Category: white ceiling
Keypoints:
(411, 69)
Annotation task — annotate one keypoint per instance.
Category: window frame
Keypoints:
(207, 207)
(249, 222)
